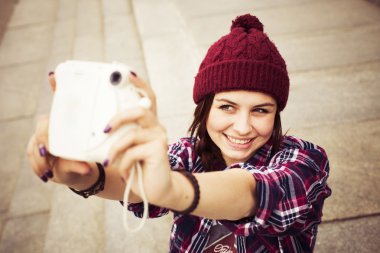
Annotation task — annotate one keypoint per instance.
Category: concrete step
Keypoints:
(356, 239)
(25, 201)
(76, 224)
(39, 217)
(332, 50)
(171, 59)
(84, 30)
(307, 18)
(123, 44)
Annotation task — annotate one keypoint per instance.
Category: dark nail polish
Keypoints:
(44, 178)
(48, 173)
(42, 150)
(51, 73)
(105, 163)
(107, 129)
(133, 73)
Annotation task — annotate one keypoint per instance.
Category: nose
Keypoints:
(242, 124)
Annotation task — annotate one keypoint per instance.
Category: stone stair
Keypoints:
(332, 49)
(37, 217)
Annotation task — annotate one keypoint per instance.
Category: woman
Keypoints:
(237, 184)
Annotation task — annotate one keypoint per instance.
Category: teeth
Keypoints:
(237, 141)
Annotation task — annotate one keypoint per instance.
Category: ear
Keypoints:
(52, 81)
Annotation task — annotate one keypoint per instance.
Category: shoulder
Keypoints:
(185, 143)
(182, 153)
(298, 153)
(292, 143)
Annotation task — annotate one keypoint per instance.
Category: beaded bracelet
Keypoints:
(97, 187)
(195, 185)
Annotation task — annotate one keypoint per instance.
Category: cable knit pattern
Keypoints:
(243, 59)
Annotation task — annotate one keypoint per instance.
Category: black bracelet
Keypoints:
(98, 186)
(195, 185)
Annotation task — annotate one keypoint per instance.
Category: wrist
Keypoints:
(185, 193)
(97, 187)
(83, 182)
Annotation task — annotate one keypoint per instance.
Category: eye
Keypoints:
(260, 110)
(227, 108)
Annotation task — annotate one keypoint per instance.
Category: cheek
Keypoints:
(264, 126)
(216, 121)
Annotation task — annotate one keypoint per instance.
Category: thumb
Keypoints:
(81, 168)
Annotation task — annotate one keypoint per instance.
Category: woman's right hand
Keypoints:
(48, 167)
(75, 174)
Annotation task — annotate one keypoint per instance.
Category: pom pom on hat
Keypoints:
(247, 22)
(244, 59)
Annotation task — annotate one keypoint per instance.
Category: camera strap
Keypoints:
(143, 196)
(146, 103)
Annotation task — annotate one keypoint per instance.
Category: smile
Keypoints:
(238, 141)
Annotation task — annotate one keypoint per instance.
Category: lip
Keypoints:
(237, 145)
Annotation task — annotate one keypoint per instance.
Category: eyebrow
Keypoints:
(233, 103)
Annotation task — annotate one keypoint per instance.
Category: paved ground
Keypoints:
(332, 48)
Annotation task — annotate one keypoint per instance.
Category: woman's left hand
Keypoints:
(146, 144)
(139, 83)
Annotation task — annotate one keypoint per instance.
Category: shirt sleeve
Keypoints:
(291, 191)
(154, 211)
(180, 156)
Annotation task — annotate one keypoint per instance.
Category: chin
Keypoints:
(236, 158)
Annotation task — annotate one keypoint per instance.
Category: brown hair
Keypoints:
(209, 153)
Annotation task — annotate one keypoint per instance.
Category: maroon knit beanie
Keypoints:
(244, 59)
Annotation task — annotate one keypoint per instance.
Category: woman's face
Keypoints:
(240, 122)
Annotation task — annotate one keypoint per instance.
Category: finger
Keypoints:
(53, 83)
(40, 150)
(31, 159)
(43, 166)
(69, 166)
(139, 83)
(131, 138)
(42, 129)
(36, 170)
(139, 115)
(38, 160)
(130, 158)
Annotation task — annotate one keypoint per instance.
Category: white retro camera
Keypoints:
(87, 96)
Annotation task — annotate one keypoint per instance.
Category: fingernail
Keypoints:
(51, 73)
(42, 150)
(133, 73)
(107, 129)
(44, 178)
(122, 180)
(105, 163)
(48, 173)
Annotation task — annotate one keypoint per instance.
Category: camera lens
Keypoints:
(115, 78)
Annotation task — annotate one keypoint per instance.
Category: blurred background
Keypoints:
(332, 50)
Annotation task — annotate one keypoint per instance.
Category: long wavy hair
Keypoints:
(209, 153)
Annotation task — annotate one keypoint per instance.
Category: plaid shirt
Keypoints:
(291, 189)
